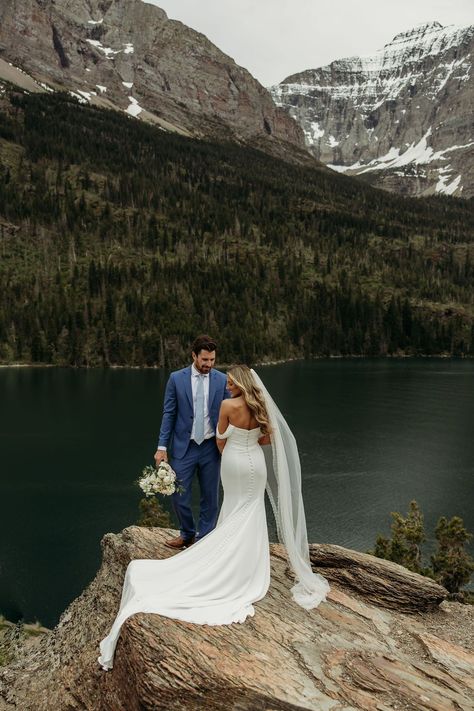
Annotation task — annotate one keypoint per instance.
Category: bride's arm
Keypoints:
(222, 424)
(265, 439)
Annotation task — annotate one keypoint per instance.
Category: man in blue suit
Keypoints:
(193, 398)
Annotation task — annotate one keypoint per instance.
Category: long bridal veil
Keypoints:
(285, 494)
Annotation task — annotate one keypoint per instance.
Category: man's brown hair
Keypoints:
(204, 343)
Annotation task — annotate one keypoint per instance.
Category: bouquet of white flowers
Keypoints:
(158, 481)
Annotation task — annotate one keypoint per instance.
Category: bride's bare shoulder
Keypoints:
(231, 405)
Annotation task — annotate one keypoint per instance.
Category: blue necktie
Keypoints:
(199, 414)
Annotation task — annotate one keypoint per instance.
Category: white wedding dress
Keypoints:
(217, 580)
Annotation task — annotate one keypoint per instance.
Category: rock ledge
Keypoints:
(385, 639)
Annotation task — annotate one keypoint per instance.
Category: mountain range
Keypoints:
(127, 55)
(122, 238)
(402, 119)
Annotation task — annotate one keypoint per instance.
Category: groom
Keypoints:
(193, 398)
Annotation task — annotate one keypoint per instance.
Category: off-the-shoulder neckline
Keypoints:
(244, 429)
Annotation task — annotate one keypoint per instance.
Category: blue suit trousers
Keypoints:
(204, 459)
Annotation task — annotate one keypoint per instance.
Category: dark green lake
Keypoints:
(373, 434)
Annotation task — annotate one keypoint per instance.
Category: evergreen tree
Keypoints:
(452, 564)
(408, 534)
(152, 514)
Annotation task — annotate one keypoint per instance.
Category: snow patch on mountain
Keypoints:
(375, 79)
(108, 51)
(78, 96)
(313, 132)
(417, 154)
(443, 187)
(134, 107)
(406, 106)
(87, 95)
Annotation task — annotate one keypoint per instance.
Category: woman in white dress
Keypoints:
(217, 580)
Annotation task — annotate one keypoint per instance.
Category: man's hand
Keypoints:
(161, 455)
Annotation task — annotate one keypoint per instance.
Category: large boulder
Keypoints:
(361, 649)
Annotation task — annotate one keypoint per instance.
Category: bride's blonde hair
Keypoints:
(242, 377)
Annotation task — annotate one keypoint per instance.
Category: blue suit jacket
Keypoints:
(178, 411)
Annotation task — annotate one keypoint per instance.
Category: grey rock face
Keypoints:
(403, 118)
(128, 55)
(359, 649)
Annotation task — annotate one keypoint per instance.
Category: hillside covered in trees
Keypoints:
(119, 242)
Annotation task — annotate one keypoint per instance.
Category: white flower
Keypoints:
(158, 481)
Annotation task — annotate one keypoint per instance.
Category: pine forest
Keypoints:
(119, 242)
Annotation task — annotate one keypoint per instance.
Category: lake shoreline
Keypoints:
(394, 356)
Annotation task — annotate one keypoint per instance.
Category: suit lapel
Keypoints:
(187, 386)
(212, 388)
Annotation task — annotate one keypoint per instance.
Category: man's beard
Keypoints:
(205, 368)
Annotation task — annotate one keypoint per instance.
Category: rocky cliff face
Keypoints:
(126, 54)
(403, 118)
(383, 640)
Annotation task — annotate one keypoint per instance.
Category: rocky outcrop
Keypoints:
(355, 651)
(126, 54)
(378, 581)
(401, 118)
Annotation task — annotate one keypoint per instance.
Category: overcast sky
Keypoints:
(276, 38)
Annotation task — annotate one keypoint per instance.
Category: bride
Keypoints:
(218, 579)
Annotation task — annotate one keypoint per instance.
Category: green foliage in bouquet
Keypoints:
(154, 481)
